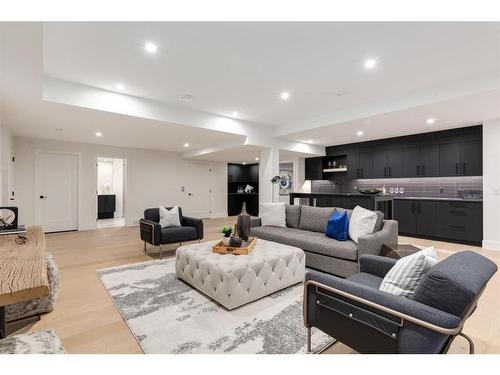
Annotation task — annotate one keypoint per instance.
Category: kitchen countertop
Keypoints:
(439, 199)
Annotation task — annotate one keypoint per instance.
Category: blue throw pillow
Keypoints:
(338, 226)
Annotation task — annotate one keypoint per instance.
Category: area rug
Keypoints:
(166, 315)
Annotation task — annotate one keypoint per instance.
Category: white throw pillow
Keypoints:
(170, 218)
(405, 276)
(273, 214)
(362, 222)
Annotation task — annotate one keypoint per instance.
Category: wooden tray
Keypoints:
(245, 248)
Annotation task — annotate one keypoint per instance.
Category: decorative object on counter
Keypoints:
(8, 218)
(240, 190)
(249, 189)
(368, 190)
(275, 180)
(243, 222)
(226, 230)
(470, 194)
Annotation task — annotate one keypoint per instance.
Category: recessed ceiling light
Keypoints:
(186, 144)
(370, 63)
(244, 162)
(285, 95)
(431, 121)
(257, 159)
(120, 86)
(359, 133)
(234, 114)
(98, 134)
(150, 47)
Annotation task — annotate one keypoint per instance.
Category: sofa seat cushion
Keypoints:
(178, 234)
(366, 279)
(308, 241)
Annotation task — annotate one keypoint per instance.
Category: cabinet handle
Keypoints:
(385, 171)
(412, 207)
(464, 168)
(458, 228)
(456, 169)
(423, 170)
(390, 173)
(418, 170)
(458, 213)
(418, 208)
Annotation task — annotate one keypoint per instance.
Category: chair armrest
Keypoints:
(194, 222)
(385, 304)
(372, 243)
(255, 222)
(150, 231)
(376, 265)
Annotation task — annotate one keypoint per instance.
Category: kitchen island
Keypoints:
(376, 202)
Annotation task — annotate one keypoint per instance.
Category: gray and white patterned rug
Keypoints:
(168, 316)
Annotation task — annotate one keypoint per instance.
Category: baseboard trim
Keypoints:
(87, 227)
(491, 245)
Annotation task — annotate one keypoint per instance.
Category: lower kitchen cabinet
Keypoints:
(445, 220)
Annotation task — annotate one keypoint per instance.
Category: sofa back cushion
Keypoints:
(273, 214)
(380, 221)
(293, 215)
(314, 218)
(454, 284)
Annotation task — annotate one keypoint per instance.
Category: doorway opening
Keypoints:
(110, 192)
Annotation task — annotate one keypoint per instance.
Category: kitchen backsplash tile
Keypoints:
(443, 187)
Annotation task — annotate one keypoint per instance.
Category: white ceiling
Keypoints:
(243, 67)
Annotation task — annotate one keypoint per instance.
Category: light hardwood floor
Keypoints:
(87, 321)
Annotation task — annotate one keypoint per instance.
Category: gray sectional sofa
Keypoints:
(305, 228)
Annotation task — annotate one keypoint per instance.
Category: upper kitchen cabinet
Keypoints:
(314, 168)
(420, 160)
(353, 165)
(461, 158)
(388, 163)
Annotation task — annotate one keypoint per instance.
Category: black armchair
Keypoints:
(191, 229)
(354, 311)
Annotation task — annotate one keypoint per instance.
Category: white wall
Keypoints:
(153, 178)
(6, 178)
(491, 184)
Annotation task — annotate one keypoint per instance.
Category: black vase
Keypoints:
(236, 241)
(243, 223)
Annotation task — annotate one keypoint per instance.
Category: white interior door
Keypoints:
(56, 191)
(198, 191)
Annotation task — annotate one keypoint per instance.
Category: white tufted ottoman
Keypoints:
(234, 280)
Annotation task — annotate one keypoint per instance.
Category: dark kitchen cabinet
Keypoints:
(238, 176)
(462, 158)
(426, 217)
(455, 221)
(353, 165)
(387, 164)
(411, 161)
(365, 165)
(429, 161)
(405, 214)
(106, 206)
(314, 168)
(471, 158)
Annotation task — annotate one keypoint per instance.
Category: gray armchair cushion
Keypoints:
(178, 234)
(376, 265)
(195, 223)
(293, 215)
(454, 284)
(314, 218)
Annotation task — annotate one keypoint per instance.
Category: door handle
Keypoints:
(43, 197)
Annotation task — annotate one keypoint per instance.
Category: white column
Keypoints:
(269, 166)
(491, 184)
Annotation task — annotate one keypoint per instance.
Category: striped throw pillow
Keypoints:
(405, 276)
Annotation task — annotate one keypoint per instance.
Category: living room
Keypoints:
(249, 187)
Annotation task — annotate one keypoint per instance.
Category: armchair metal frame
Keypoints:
(452, 332)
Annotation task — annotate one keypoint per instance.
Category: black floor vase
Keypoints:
(244, 223)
